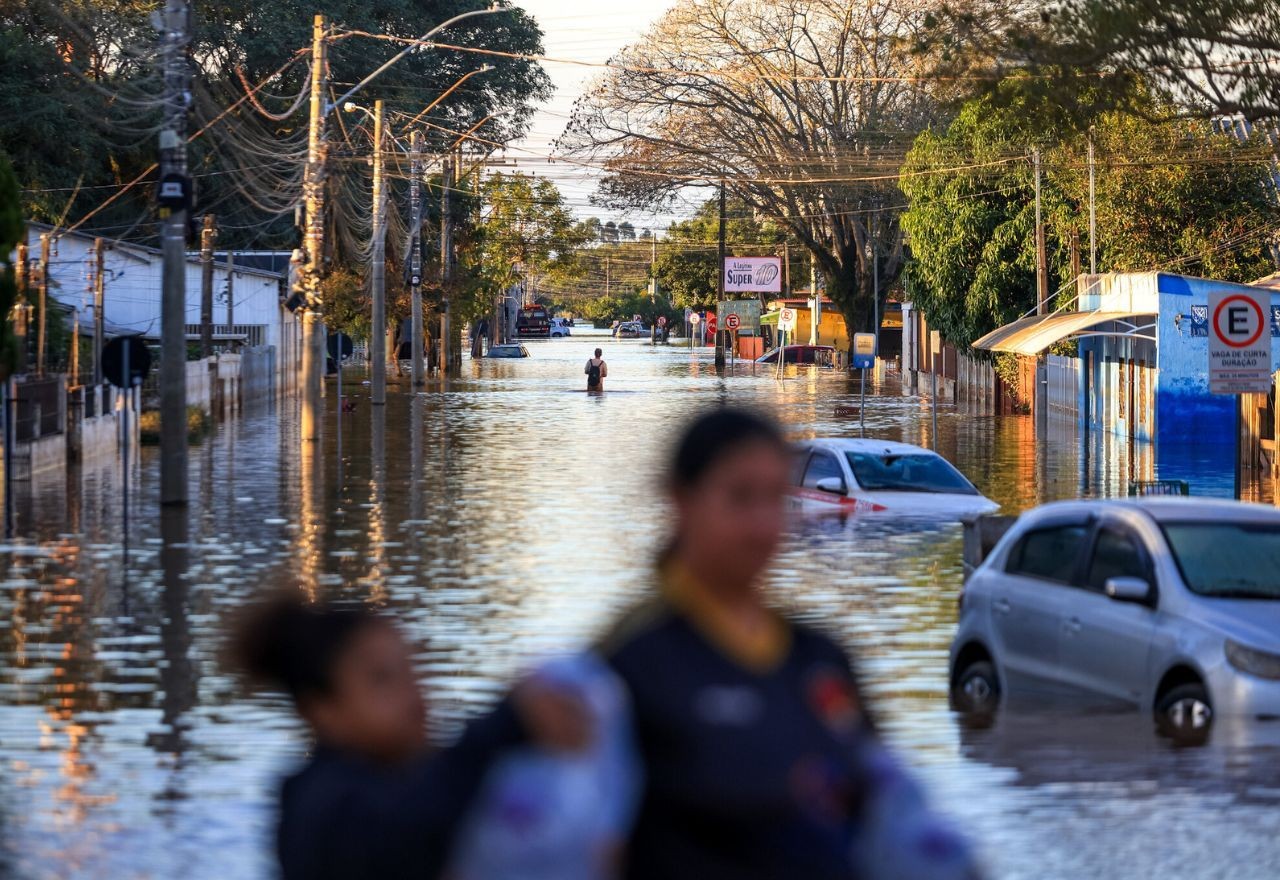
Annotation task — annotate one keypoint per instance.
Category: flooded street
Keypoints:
(506, 519)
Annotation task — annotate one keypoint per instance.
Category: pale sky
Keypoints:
(579, 30)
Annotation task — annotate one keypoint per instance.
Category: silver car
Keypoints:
(1168, 605)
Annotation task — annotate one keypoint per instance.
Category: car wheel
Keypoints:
(1185, 714)
(976, 693)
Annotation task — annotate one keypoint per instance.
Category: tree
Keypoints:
(1169, 195)
(12, 231)
(800, 107)
(1207, 56)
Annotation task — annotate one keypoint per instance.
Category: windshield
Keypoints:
(912, 472)
(1227, 560)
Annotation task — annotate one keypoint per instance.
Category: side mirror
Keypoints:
(1128, 589)
(833, 485)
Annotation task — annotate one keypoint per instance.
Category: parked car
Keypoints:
(631, 330)
(875, 475)
(1169, 605)
(560, 327)
(508, 350)
(822, 355)
(533, 322)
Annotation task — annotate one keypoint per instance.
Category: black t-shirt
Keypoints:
(749, 774)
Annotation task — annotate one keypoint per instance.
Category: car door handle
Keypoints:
(1002, 606)
(1072, 625)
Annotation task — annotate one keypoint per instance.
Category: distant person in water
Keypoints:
(373, 801)
(596, 371)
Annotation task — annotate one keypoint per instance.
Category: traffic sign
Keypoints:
(787, 320)
(694, 318)
(340, 345)
(864, 351)
(711, 324)
(126, 361)
(1240, 342)
(732, 322)
(662, 320)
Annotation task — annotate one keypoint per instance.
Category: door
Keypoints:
(822, 466)
(1105, 644)
(1028, 601)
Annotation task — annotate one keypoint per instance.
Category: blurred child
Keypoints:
(370, 803)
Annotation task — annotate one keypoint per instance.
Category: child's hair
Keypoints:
(294, 647)
(715, 434)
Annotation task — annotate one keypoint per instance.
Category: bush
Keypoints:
(199, 426)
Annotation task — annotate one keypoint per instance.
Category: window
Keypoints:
(822, 466)
(1228, 560)
(1050, 554)
(1115, 555)
(914, 472)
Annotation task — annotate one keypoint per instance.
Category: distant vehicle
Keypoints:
(508, 350)
(875, 475)
(631, 330)
(560, 327)
(822, 355)
(533, 322)
(1168, 605)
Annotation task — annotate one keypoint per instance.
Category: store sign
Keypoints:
(753, 275)
(1240, 342)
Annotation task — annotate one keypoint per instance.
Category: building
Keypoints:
(831, 329)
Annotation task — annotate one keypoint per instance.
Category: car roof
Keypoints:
(1170, 508)
(871, 447)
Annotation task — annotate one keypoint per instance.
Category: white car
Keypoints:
(857, 476)
(560, 327)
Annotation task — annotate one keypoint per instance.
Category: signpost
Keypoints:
(126, 362)
(786, 324)
(712, 324)
(731, 323)
(694, 319)
(864, 358)
(1239, 350)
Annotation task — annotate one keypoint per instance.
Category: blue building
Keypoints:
(1141, 368)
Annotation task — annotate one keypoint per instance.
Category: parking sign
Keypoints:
(1240, 342)
(864, 351)
(787, 320)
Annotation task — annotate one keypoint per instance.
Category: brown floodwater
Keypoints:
(504, 519)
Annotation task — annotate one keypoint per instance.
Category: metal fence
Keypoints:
(1062, 375)
(40, 405)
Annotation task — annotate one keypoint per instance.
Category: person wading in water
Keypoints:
(596, 371)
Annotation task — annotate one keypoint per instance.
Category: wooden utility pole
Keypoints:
(1093, 211)
(1042, 263)
(208, 235)
(378, 271)
(175, 42)
(99, 305)
(231, 291)
(313, 342)
(42, 321)
(415, 257)
(720, 331)
(446, 265)
(20, 325)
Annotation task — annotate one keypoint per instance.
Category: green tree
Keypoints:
(12, 229)
(1170, 195)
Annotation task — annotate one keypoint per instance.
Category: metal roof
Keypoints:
(1032, 335)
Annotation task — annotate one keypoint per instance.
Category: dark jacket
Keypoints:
(749, 773)
(345, 818)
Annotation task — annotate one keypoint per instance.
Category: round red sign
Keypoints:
(1234, 332)
(732, 321)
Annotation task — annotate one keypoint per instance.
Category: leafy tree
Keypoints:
(12, 230)
(1169, 195)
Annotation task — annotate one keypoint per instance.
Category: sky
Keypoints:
(579, 30)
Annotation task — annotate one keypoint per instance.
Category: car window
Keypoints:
(1115, 554)
(1050, 553)
(913, 472)
(822, 465)
(1227, 560)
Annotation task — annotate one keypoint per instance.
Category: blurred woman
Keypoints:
(750, 727)
(370, 802)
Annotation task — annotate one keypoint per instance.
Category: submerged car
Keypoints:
(822, 355)
(630, 330)
(876, 475)
(508, 350)
(560, 327)
(1167, 605)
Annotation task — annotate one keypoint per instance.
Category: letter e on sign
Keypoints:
(1240, 341)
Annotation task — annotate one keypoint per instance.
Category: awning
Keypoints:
(1030, 336)
(769, 319)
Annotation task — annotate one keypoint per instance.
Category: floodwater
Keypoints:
(502, 520)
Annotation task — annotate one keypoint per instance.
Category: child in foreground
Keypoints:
(371, 802)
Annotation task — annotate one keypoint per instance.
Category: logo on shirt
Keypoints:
(833, 700)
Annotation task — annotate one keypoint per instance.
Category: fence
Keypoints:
(1062, 391)
(41, 406)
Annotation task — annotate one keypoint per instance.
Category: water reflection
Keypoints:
(501, 518)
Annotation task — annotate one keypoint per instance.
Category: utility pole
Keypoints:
(231, 291)
(173, 299)
(1042, 265)
(815, 307)
(446, 264)
(21, 329)
(42, 322)
(720, 284)
(1093, 211)
(415, 256)
(313, 342)
(208, 235)
(786, 269)
(378, 271)
(99, 304)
